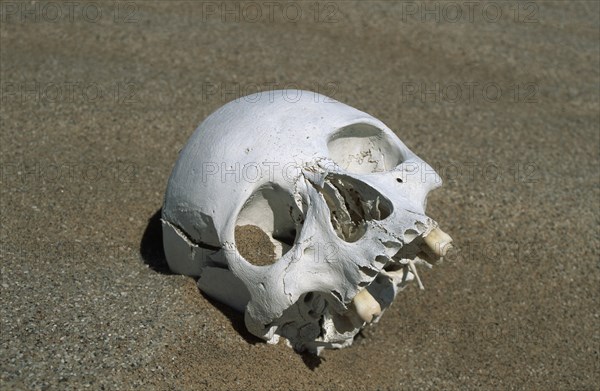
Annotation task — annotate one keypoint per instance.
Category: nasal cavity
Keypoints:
(351, 204)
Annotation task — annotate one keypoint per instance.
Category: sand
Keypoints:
(96, 103)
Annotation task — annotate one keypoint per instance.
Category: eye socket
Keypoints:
(267, 226)
(364, 149)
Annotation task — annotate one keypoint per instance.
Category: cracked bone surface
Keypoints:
(303, 213)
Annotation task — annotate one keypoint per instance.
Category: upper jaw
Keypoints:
(401, 269)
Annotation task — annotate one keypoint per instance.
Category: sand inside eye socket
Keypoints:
(254, 245)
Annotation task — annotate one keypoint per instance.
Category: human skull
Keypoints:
(331, 195)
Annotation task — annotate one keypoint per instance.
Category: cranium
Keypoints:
(331, 194)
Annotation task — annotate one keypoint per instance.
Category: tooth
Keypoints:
(438, 241)
(366, 305)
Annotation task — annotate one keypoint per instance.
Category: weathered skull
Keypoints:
(331, 196)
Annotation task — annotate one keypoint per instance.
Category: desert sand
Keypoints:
(502, 98)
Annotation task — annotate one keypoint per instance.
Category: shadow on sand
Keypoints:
(153, 254)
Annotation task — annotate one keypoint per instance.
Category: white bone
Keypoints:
(330, 193)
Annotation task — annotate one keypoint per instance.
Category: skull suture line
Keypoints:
(338, 198)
